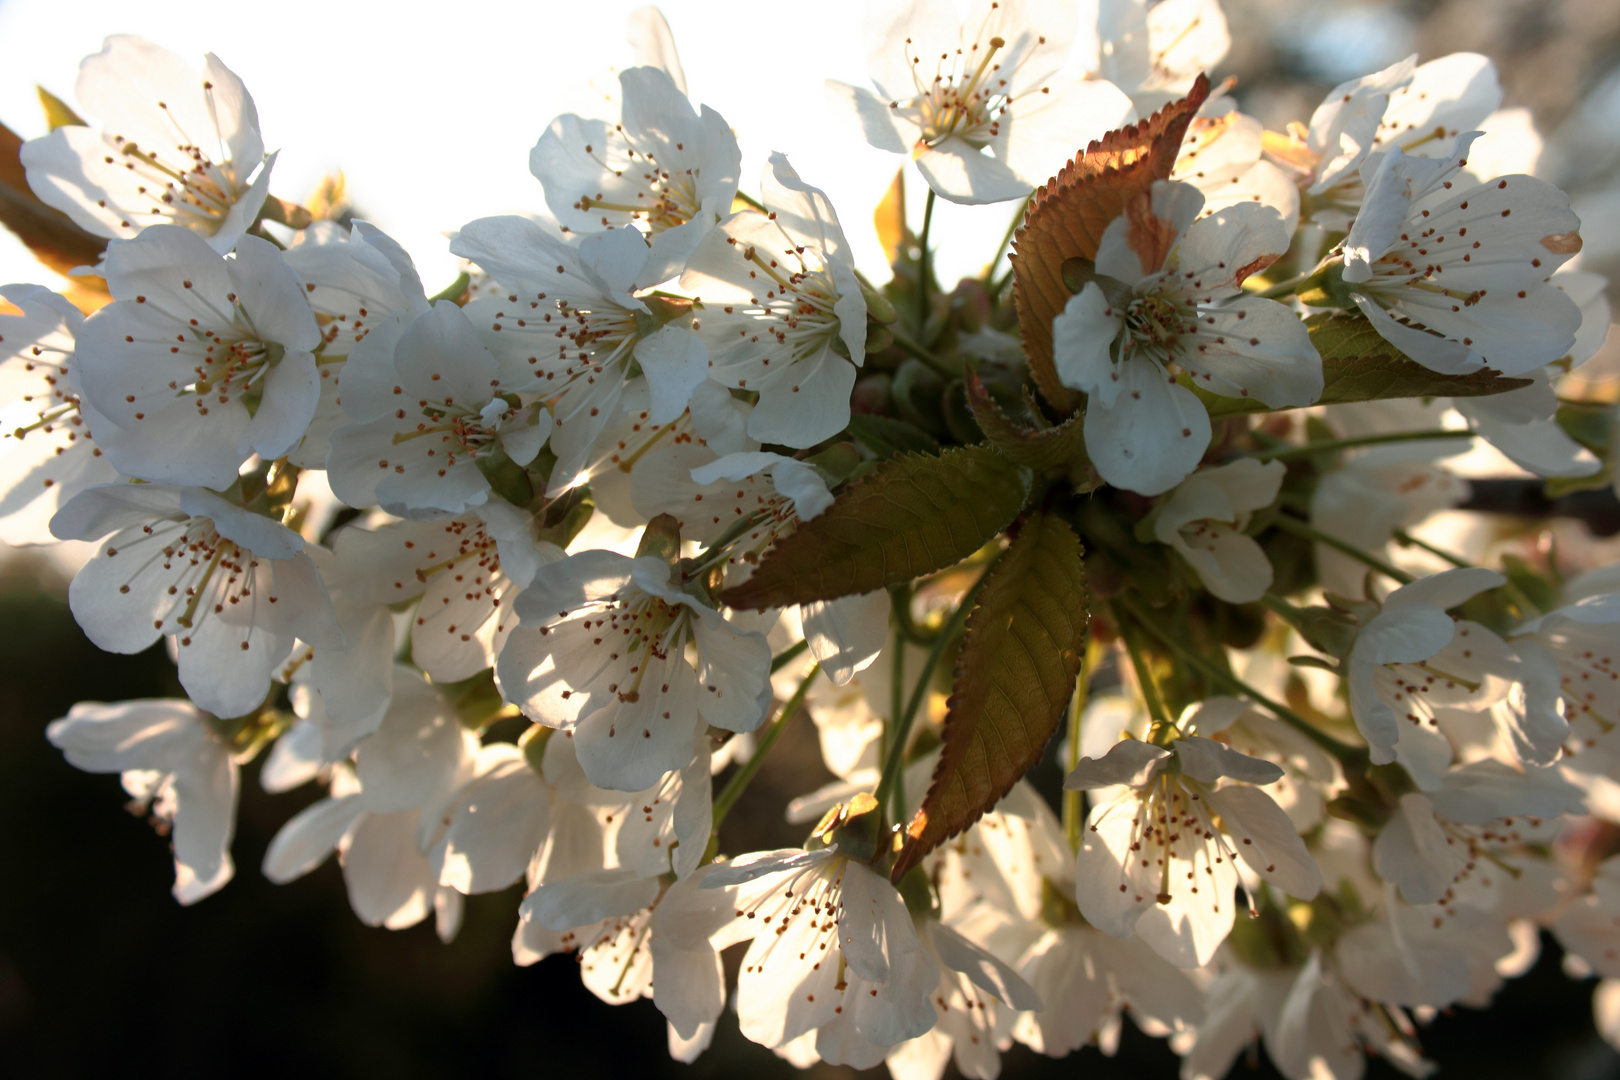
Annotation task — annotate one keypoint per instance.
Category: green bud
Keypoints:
(506, 477)
(662, 539)
(916, 892)
(533, 744)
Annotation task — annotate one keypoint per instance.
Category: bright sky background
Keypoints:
(430, 110)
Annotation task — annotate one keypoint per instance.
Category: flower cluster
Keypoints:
(514, 572)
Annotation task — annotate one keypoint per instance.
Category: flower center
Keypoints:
(965, 98)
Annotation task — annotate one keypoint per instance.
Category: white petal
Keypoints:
(589, 898)
(1129, 761)
(1266, 838)
(1412, 852)
(1206, 760)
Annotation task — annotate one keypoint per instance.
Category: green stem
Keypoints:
(787, 656)
(938, 363)
(1329, 445)
(1006, 238)
(1343, 751)
(897, 747)
(1514, 594)
(922, 264)
(899, 600)
(739, 783)
(1072, 819)
(454, 290)
(743, 196)
(1144, 677)
(1300, 528)
(1282, 288)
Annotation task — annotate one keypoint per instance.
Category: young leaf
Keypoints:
(1066, 219)
(1014, 677)
(50, 234)
(886, 436)
(910, 516)
(889, 219)
(1061, 447)
(1359, 365)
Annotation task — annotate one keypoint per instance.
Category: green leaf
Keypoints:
(910, 516)
(1061, 447)
(1359, 365)
(1014, 677)
(887, 437)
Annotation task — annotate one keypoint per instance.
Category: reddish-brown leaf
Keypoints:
(1067, 216)
(50, 234)
(1014, 677)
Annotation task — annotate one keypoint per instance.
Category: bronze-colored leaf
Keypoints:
(1060, 447)
(1014, 677)
(889, 219)
(50, 234)
(910, 516)
(1359, 365)
(1067, 216)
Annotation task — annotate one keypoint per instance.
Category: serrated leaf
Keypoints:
(1359, 365)
(1067, 216)
(1014, 677)
(1060, 447)
(50, 234)
(885, 436)
(910, 516)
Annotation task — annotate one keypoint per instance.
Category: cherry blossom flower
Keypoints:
(601, 652)
(174, 148)
(47, 455)
(174, 764)
(234, 590)
(1167, 291)
(384, 816)
(981, 105)
(783, 311)
(571, 323)
(1154, 51)
(1455, 274)
(1159, 860)
(446, 404)
(456, 567)
(1385, 667)
(357, 282)
(663, 168)
(1203, 521)
(202, 360)
(834, 951)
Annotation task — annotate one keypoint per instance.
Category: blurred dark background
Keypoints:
(101, 972)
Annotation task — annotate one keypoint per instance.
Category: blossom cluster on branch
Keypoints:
(517, 571)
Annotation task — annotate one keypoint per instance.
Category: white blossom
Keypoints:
(1167, 291)
(982, 105)
(174, 148)
(234, 589)
(601, 652)
(174, 764)
(46, 451)
(1453, 273)
(202, 360)
(663, 168)
(1203, 520)
(1159, 859)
